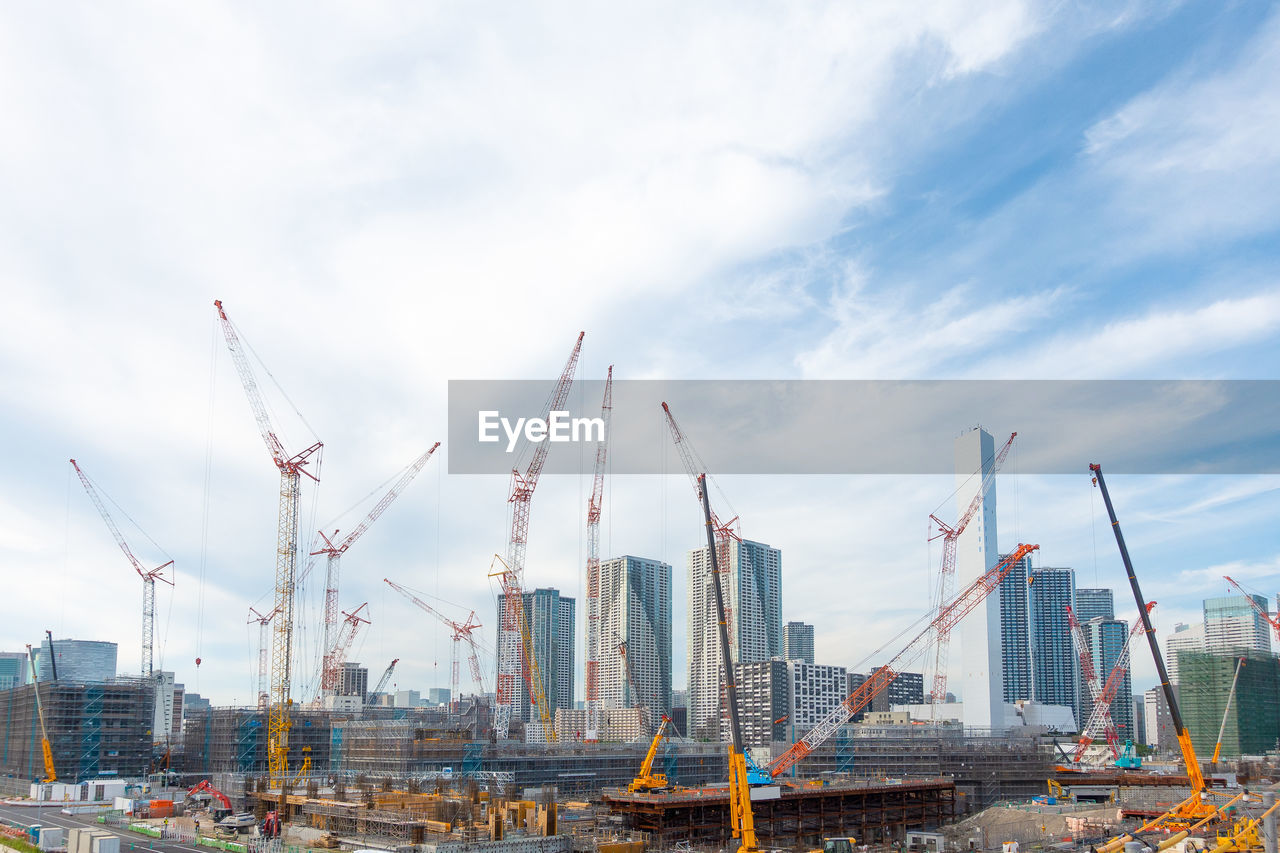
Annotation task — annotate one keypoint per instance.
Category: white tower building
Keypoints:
(976, 552)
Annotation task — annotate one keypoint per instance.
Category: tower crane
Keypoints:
(1194, 808)
(149, 576)
(386, 676)
(947, 571)
(509, 639)
(725, 531)
(461, 633)
(1272, 620)
(529, 656)
(264, 623)
(1100, 722)
(949, 614)
(50, 774)
(291, 468)
(594, 507)
(347, 634)
(329, 670)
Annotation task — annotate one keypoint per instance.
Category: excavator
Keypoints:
(214, 794)
(646, 779)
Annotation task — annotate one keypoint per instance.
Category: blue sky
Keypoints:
(389, 197)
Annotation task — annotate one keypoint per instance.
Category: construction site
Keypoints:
(519, 768)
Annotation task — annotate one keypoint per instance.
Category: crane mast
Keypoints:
(513, 615)
(948, 616)
(594, 506)
(329, 670)
(264, 625)
(1194, 807)
(291, 470)
(149, 576)
(947, 572)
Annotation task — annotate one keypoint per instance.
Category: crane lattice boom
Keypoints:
(1100, 721)
(594, 509)
(1272, 619)
(948, 616)
(462, 632)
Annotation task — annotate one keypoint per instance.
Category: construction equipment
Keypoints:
(646, 779)
(386, 676)
(1217, 747)
(149, 576)
(205, 787)
(50, 774)
(1129, 758)
(1084, 658)
(510, 641)
(725, 531)
(636, 701)
(1100, 721)
(947, 571)
(948, 616)
(594, 508)
(462, 632)
(346, 636)
(530, 667)
(264, 622)
(330, 667)
(291, 470)
(1193, 808)
(845, 844)
(742, 822)
(1271, 619)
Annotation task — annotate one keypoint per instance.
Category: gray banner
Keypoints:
(875, 427)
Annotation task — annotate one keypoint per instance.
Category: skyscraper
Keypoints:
(1055, 676)
(353, 680)
(1231, 625)
(635, 608)
(550, 617)
(14, 669)
(1106, 638)
(1094, 604)
(797, 642)
(1015, 633)
(1185, 638)
(983, 664)
(752, 589)
(86, 661)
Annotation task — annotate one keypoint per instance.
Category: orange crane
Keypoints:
(594, 507)
(149, 576)
(949, 614)
(1100, 721)
(330, 668)
(1273, 621)
(510, 641)
(50, 774)
(462, 632)
(264, 623)
(947, 571)
(725, 531)
(291, 468)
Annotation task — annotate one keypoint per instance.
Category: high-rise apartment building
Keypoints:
(1055, 675)
(1015, 633)
(550, 617)
(80, 661)
(982, 663)
(353, 680)
(1106, 637)
(752, 588)
(783, 697)
(1094, 604)
(1185, 638)
(1232, 625)
(797, 642)
(635, 609)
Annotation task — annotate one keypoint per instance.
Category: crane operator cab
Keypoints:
(838, 845)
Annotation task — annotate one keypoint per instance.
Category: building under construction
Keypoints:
(95, 729)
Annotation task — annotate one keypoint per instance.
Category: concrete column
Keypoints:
(1269, 823)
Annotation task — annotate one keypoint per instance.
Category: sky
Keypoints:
(390, 196)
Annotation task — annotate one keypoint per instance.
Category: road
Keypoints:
(52, 815)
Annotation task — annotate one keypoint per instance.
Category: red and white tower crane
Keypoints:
(594, 507)
(1100, 722)
(347, 634)
(329, 669)
(149, 576)
(947, 572)
(291, 468)
(510, 643)
(462, 633)
(725, 531)
(264, 624)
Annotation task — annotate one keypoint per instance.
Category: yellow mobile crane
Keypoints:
(51, 775)
(646, 779)
(1195, 808)
(740, 817)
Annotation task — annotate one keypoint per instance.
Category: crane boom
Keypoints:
(1100, 721)
(329, 670)
(149, 576)
(291, 470)
(461, 632)
(1222, 729)
(594, 507)
(510, 640)
(949, 615)
(50, 774)
(947, 572)
(646, 780)
(1184, 736)
(386, 676)
(1273, 621)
